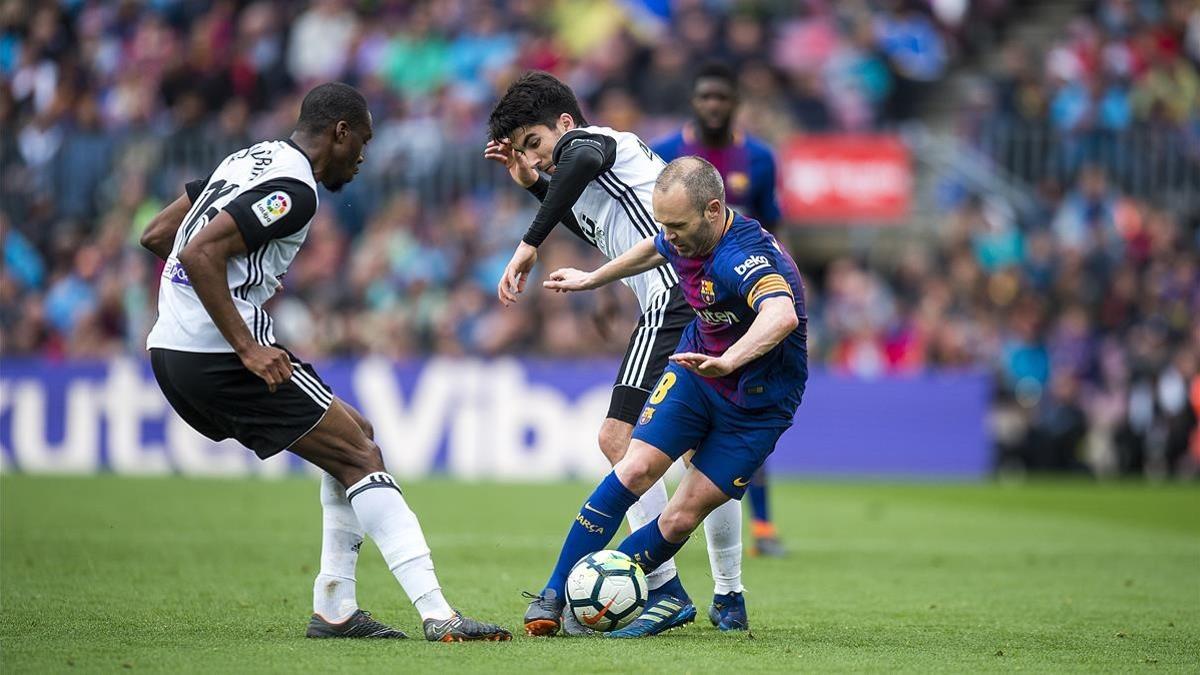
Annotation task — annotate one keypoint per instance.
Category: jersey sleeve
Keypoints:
(272, 210)
(579, 157)
(753, 273)
(195, 187)
(767, 207)
(667, 148)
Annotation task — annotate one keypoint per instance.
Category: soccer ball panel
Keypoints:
(606, 590)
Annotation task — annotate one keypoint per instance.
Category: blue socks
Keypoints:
(594, 527)
(758, 499)
(649, 548)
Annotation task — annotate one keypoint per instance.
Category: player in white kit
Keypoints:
(226, 243)
(600, 187)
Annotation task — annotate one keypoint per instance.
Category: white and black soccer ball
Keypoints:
(606, 590)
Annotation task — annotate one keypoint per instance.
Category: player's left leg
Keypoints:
(723, 534)
(334, 596)
(766, 540)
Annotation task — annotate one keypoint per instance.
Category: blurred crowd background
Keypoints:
(1084, 303)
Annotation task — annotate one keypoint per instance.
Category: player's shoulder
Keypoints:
(747, 232)
(745, 244)
(758, 149)
(668, 146)
(621, 137)
(603, 139)
(272, 160)
(591, 131)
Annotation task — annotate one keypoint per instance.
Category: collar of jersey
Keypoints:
(299, 150)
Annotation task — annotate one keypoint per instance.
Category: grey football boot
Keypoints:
(359, 625)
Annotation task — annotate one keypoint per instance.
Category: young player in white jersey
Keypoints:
(226, 243)
(601, 188)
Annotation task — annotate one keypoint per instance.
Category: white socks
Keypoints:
(333, 592)
(723, 529)
(646, 509)
(386, 518)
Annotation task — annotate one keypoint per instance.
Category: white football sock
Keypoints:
(723, 529)
(645, 510)
(333, 591)
(386, 518)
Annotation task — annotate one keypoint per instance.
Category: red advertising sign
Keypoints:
(845, 178)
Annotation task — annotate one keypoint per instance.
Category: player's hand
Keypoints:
(519, 167)
(273, 365)
(703, 364)
(516, 273)
(569, 279)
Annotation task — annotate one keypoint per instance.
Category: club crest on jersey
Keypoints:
(647, 415)
(738, 181)
(272, 207)
(707, 293)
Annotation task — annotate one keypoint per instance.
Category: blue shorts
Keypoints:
(731, 442)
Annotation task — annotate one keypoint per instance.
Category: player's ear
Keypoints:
(341, 130)
(714, 209)
(566, 122)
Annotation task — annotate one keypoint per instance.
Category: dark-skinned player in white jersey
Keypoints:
(599, 183)
(226, 243)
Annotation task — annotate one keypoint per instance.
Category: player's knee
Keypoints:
(677, 524)
(362, 456)
(368, 429)
(635, 473)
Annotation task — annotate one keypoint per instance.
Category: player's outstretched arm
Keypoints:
(159, 236)
(206, 260)
(580, 161)
(776, 319)
(639, 258)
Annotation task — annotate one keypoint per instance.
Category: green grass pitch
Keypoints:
(204, 575)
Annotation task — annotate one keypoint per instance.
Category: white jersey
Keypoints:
(615, 213)
(270, 192)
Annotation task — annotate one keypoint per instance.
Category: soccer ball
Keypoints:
(606, 590)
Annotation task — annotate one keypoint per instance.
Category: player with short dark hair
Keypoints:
(748, 168)
(731, 389)
(226, 242)
(599, 184)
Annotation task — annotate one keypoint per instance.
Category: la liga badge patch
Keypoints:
(272, 207)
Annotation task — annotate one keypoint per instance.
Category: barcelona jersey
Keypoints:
(746, 165)
(726, 289)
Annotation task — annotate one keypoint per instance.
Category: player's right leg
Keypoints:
(673, 420)
(335, 602)
(615, 435)
(339, 446)
(650, 347)
(593, 528)
(695, 499)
